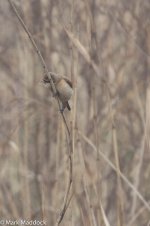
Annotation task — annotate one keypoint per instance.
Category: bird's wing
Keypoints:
(46, 79)
(68, 81)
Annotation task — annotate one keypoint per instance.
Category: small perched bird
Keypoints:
(63, 87)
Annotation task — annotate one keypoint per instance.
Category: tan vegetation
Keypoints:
(98, 171)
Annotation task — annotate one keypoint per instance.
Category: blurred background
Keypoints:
(104, 48)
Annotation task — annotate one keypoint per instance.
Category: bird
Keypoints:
(64, 89)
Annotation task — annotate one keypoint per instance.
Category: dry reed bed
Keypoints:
(104, 48)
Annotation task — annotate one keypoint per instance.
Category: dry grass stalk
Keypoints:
(45, 68)
(141, 198)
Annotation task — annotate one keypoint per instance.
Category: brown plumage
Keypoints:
(63, 87)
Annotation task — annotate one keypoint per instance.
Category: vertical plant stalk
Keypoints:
(25, 182)
(141, 151)
(73, 118)
(120, 211)
(92, 217)
(120, 208)
(46, 71)
(90, 8)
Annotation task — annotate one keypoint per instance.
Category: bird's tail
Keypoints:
(68, 106)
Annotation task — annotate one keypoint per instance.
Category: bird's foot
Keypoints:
(62, 109)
